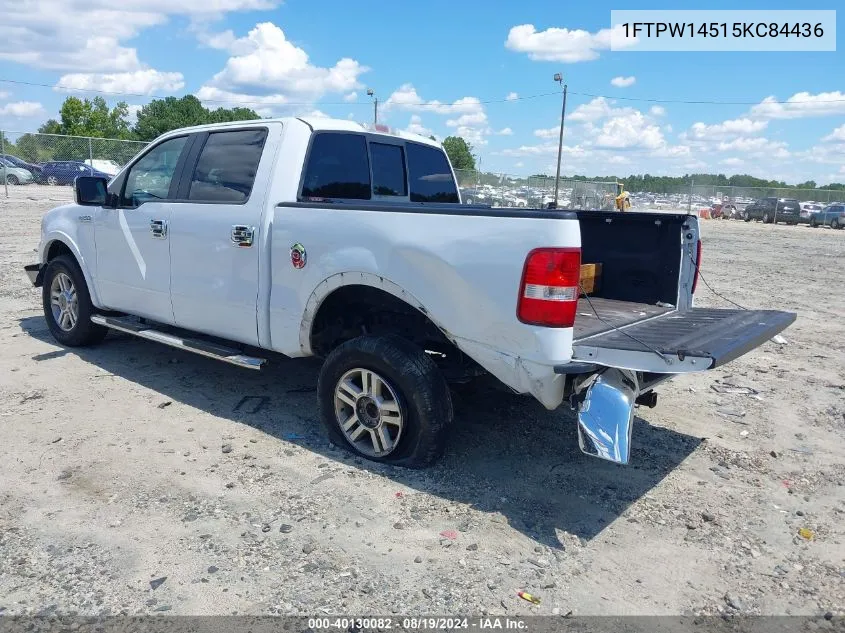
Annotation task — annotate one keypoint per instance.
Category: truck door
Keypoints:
(133, 243)
(214, 248)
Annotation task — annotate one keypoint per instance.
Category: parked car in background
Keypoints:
(723, 210)
(64, 172)
(22, 164)
(14, 175)
(832, 215)
(773, 209)
(807, 209)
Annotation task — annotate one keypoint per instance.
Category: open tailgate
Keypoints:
(680, 342)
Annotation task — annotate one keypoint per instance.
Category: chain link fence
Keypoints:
(45, 165)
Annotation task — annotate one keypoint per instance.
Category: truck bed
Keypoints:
(598, 315)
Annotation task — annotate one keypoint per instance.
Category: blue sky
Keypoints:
(447, 68)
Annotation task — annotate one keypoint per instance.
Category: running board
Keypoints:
(203, 348)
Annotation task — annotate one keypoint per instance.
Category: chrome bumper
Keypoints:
(35, 274)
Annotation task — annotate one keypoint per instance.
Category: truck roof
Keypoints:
(320, 124)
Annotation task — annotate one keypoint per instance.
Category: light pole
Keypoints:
(370, 93)
(559, 79)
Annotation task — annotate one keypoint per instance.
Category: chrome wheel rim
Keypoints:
(63, 302)
(51, 180)
(368, 412)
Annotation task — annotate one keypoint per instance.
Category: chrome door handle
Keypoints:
(158, 228)
(242, 235)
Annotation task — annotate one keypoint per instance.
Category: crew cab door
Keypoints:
(215, 230)
(133, 241)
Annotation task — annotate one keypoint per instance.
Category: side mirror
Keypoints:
(91, 191)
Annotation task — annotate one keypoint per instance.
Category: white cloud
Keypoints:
(726, 129)
(732, 162)
(407, 98)
(559, 44)
(657, 110)
(415, 126)
(474, 119)
(614, 127)
(801, 104)
(470, 119)
(22, 109)
(3, 94)
(505, 131)
(631, 129)
(266, 68)
(617, 160)
(352, 96)
(316, 114)
(137, 82)
(755, 146)
(41, 34)
(541, 150)
(549, 132)
(594, 110)
(837, 135)
(623, 82)
(519, 163)
(512, 96)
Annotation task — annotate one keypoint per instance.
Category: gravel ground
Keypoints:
(139, 479)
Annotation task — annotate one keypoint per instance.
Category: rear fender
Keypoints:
(520, 374)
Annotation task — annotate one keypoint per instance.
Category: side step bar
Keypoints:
(203, 348)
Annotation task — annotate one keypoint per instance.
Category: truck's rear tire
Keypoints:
(67, 304)
(384, 399)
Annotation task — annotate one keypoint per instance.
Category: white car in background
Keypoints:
(106, 166)
(807, 209)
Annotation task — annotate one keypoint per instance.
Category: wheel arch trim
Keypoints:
(59, 236)
(326, 287)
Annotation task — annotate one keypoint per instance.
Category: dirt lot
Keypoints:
(113, 476)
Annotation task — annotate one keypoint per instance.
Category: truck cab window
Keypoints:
(430, 178)
(388, 170)
(337, 167)
(149, 179)
(227, 166)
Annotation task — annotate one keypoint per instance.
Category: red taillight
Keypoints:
(697, 266)
(548, 294)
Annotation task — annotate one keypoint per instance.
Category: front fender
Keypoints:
(57, 235)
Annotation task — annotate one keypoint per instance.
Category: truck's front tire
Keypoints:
(384, 399)
(67, 304)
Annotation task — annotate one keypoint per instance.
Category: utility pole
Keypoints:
(370, 93)
(559, 79)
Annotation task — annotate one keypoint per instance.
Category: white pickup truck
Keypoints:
(314, 237)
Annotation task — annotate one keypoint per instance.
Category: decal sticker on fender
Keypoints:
(298, 256)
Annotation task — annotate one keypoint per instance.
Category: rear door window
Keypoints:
(337, 167)
(429, 175)
(227, 165)
(388, 170)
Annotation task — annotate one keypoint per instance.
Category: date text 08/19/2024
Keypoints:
(418, 623)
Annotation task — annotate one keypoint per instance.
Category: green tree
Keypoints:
(162, 115)
(459, 152)
(83, 117)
